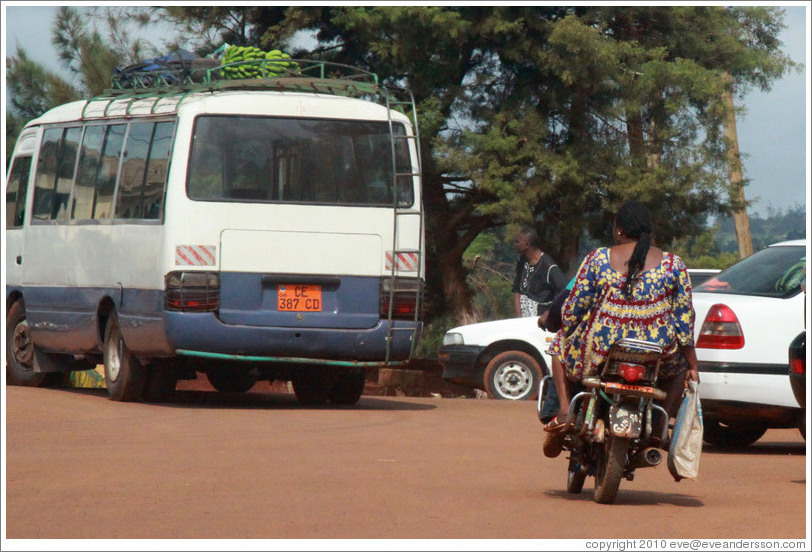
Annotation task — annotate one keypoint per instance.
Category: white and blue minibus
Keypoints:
(270, 229)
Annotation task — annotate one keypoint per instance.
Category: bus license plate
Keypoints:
(299, 298)
(624, 387)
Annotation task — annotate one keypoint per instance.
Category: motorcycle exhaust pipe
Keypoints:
(648, 458)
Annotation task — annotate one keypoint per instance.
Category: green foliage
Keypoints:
(432, 337)
(491, 261)
(84, 51)
(717, 247)
(701, 251)
(779, 225)
(33, 88)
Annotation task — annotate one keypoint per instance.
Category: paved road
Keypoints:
(260, 466)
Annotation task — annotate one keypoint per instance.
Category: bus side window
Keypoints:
(133, 171)
(56, 166)
(206, 174)
(45, 201)
(66, 171)
(108, 172)
(16, 192)
(89, 160)
(144, 170)
(157, 170)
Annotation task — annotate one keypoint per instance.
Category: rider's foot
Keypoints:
(557, 423)
(553, 443)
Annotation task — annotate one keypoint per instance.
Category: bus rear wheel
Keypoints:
(312, 385)
(348, 387)
(21, 353)
(124, 375)
(231, 380)
(160, 382)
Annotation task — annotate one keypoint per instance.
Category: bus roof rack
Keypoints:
(266, 74)
(169, 84)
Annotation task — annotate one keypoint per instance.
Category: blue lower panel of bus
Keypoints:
(204, 333)
(65, 319)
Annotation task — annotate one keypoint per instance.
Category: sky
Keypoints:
(773, 131)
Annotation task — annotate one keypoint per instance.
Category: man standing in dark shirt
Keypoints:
(538, 278)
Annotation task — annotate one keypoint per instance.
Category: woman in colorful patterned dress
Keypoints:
(631, 290)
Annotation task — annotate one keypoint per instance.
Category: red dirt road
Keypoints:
(208, 465)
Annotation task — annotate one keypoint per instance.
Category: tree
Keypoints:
(33, 90)
(89, 57)
(548, 116)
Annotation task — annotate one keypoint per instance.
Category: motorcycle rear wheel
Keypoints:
(610, 469)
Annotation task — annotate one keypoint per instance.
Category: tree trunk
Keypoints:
(458, 296)
(634, 130)
(734, 164)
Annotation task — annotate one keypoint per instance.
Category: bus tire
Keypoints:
(348, 387)
(231, 380)
(124, 375)
(312, 385)
(161, 380)
(21, 353)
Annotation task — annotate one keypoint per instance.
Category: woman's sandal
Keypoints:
(554, 424)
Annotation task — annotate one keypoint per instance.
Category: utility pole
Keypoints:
(734, 169)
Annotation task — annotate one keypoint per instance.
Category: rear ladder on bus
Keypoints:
(397, 273)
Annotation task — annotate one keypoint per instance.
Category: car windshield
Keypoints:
(772, 272)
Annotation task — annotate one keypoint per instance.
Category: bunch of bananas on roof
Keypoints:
(249, 62)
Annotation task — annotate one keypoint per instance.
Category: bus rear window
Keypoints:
(287, 160)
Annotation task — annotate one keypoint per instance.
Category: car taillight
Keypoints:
(403, 294)
(797, 366)
(631, 372)
(192, 291)
(721, 329)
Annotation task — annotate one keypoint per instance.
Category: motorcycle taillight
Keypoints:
(631, 372)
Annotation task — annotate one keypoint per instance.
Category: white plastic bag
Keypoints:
(686, 442)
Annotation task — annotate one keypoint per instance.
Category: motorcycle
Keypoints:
(610, 429)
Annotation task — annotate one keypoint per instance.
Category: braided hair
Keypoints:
(634, 219)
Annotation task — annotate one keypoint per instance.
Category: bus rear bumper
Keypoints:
(203, 335)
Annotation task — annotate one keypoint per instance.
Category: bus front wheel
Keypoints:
(124, 375)
(21, 355)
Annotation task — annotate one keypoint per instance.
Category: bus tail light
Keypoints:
(405, 295)
(797, 366)
(721, 329)
(192, 291)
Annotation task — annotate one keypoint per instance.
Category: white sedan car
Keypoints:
(506, 358)
(746, 317)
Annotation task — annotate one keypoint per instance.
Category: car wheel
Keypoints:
(512, 375)
(21, 353)
(731, 435)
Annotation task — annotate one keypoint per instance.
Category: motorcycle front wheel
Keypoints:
(575, 477)
(610, 469)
